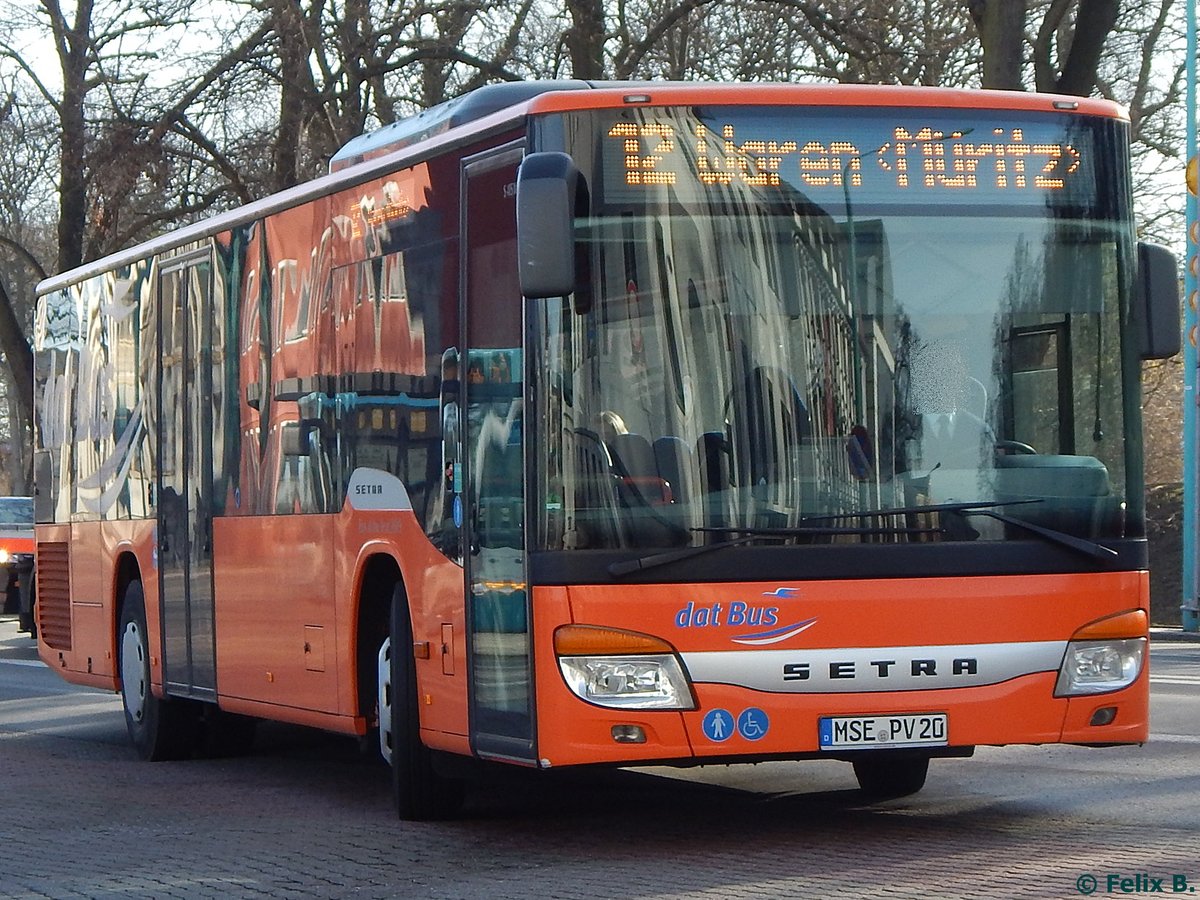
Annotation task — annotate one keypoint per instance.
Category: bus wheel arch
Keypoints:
(380, 574)
(125, 572)
(418, 791)
(159, 728)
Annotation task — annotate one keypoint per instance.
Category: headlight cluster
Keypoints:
(621, 669)
(1104, 656)
(628, 682)
(1097, 667)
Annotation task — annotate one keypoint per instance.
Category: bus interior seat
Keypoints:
(635, 464)
(1075, 490)
(673, 458)
(594, 492)
(712, 452)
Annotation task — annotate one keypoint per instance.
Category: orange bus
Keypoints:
(570, 424)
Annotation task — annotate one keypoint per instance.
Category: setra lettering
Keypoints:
(882, 669)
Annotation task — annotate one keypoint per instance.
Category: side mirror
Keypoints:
(550, 193)
(1157, 301)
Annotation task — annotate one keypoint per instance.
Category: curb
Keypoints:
(1174, 635)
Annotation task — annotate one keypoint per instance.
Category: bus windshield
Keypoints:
(794, 319)
(16, 511)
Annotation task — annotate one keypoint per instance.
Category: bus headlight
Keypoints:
(628, 682)
(621, 669)
(1098, 667)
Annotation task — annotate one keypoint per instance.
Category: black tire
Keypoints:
(159, 728)
(418, 792)
(12, 599)
(226, 734)
(883, 777)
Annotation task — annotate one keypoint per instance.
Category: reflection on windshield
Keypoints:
(16, 511)
(743, 370)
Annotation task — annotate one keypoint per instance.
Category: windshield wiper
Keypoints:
(1079, 545)
(914, 510)
(1084, 546)
(654, 560)
(988, 509)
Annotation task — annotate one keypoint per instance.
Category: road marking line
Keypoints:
(22, 662)
(1175, 738)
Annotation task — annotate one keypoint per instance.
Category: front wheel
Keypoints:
(159, 728)
(418, 791)
(883, 777)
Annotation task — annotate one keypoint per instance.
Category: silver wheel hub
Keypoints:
(134, 672)
(385, 700)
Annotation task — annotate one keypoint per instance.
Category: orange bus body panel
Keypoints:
(93, 603)
(845, 614)
(295, 579)
(275, 610)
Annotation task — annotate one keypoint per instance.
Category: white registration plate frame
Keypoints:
(898, 730)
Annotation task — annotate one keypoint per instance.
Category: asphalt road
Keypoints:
(306, 815)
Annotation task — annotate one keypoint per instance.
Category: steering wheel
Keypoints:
(1015, 447)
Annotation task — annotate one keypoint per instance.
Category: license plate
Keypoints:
(920, 730)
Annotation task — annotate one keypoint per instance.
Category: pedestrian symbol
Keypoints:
(718, 725)
(752, 724)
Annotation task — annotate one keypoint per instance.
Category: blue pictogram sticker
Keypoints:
(718, 725)
(753, 723)
(458, 511)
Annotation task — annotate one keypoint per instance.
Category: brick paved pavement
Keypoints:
(306, 817)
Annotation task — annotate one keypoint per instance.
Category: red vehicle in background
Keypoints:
(16, 558)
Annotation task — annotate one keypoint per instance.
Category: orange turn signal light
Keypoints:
(598, 640)
(1130, 624)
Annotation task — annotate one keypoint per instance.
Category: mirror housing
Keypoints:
(550, 193)
(1157, 301)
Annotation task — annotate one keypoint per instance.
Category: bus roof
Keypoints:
(663, 93)
(565, 96)
(498, 106)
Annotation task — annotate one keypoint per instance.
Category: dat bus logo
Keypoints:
(740, 614)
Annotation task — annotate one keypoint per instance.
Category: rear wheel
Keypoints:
(418, 791)
(883, 777)
(226, 734)
(159, 728)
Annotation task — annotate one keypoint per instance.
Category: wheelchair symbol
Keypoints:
(753, 723)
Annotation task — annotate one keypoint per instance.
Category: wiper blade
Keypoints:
(1079, 545)
(654, 560)
(805, 530)
(1088, 548)
(915, 510)
(988, 508)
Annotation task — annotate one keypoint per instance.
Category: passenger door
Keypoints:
(185, 467)
(492, 495)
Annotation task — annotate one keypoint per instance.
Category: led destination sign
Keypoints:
(889, 156)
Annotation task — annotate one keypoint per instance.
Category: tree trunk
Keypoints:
(294, 77)
(71, 41)
(585, 38)
(19, 357)
(1095, 21)
(1001, 26)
